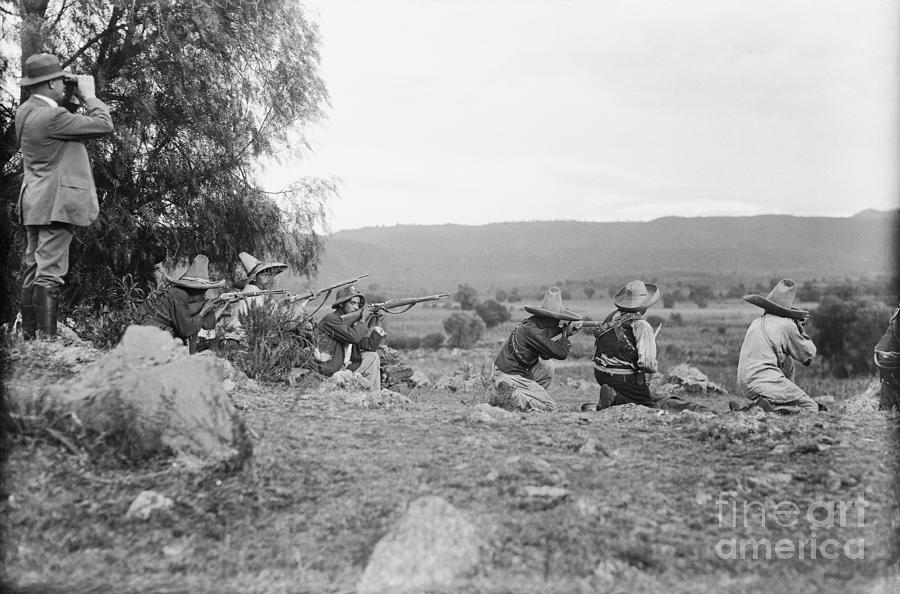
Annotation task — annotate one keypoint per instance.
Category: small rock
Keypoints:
(146, 503)
(545, 492)
(418, 379)
(781, 448)
(592, 446)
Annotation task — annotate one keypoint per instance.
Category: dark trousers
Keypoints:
(629, 388)
(890, 389)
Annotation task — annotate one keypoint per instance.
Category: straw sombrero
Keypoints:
(252, 266)
(552, 307)
(780, 301)
(196, 276)
(636, 295)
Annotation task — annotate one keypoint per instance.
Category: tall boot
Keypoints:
(29, 321)
(46, 300)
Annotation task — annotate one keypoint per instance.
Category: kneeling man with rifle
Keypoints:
(344, 339)
(520, 374)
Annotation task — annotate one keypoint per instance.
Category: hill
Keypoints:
(538, 253)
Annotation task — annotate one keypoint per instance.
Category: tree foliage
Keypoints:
(200, 92)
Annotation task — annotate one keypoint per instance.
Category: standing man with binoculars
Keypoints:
(58, 191)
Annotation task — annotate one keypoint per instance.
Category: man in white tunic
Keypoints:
(773, 342)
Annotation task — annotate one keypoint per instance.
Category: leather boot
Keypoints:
(46, 300)
(29, 321)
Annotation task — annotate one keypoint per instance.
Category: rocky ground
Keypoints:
(624, 500)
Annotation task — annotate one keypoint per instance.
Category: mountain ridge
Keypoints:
(544, 252)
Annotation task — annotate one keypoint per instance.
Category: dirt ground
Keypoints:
(653, 501)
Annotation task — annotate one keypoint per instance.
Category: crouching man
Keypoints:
(520, 374)
(344, 339)
(773, 342)
(887, 359)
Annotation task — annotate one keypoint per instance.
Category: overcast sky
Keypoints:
(497, 110)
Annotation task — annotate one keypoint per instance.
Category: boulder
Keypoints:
(692, 380)
(490, 415)
(866, 402)
(432, 547)
(397, 373)
(153, 396)
(418, 379)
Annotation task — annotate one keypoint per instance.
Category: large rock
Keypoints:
(431, 547)
(691, 380)
(156, 397)
(866, 402)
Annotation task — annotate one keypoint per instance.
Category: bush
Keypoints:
(104, 324)
(668, 300)
(589, 292)
(492, 313)
(277, 340)
(433, 341)
(654, 321)
(403, 343)
(467, 297)
(463, 330)
(676, 319)
(845, 332)
(514, 296)
(500, 296)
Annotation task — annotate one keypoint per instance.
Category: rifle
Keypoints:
(312, 293)
(597, 324)
(232, 297)
(386, 306)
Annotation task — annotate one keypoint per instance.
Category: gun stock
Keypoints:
(232, 297)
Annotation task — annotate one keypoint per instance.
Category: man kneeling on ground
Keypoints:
(772, 343)
(520, 374)
(345, 341)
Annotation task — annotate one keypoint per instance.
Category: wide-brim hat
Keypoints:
(196, 276)
(780, 301)
(41, 67)
(346, 294)
(636, 295)
(253, 267)
(552, 307)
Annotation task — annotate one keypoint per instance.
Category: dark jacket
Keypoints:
(176, 310)
(529, 341)
(333, 336)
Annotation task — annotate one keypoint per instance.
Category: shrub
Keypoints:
(845, 332)
(467, 297)
(104, 323)
(277, 340)
(668, 300)
(463, 330)
(492, 313)
(514, 296)
(654, 321)
(676, 319)
(403, 343)
(589, 292)
(500, 296)
(433, 341)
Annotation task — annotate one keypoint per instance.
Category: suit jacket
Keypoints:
(58, 184)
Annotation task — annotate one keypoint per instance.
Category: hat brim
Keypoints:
(566, 315)
(195, 283)
(264, 267)
(643, 303)
(337, 304)
(27, 82)
(775, 309)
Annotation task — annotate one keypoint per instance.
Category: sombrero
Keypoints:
(780, 301)
(252, 266)
(196, 276)
(346, 294)
(636, 295)
(552, 307)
